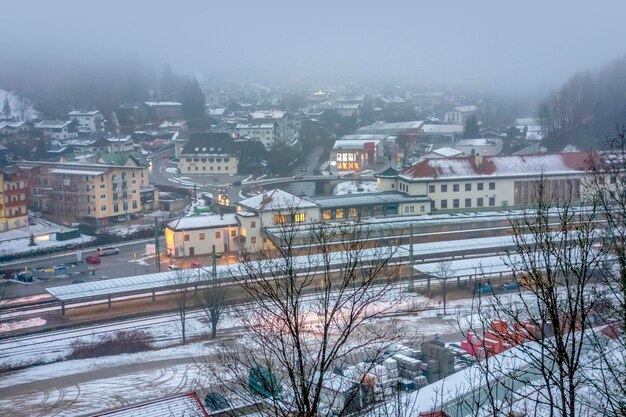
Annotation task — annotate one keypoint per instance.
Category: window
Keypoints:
(233, 233)
(252, 225)
(103, 208)
(492, 185)
(202, 236)
(253, 239)
(468, 202)
(218, 235)
(492, 201)
(455, 188)
(479, 202)
(422, 208)
(299, 217)
(102, 185)
(326, 215)
(431, 188)
(468, 187)
(103, 196)
(116, 208)
(444, 204)
(134, 204)
(339, 214)
(186, 238)
(444, 188)
(479, 186)
(455, 203)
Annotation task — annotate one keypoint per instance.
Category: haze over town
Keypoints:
(324, 208)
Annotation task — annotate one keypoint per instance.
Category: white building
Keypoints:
(355, 155)
(481, 146)
(215, 153)
(270, 209)
(57, 129)
(287, 126)
(87, 121)
(459, 115)
(121, 144)
(472, 182)
(260, 132)
(194, 236)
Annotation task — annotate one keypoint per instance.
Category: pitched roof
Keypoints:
(203, 222)
(498, 166)
(388, 173)
(275, 200)
(187, 404)
(211, 144)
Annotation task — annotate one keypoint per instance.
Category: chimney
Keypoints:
(478, 160)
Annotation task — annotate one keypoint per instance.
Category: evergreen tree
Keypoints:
(31, 240)
(6, 108)
(192, 99)
(471, 128)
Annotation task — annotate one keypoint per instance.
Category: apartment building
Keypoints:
(90, 193)
(475, 182)
(287, 126)
(57, 129)
(13, 199)
(260, 132)
(459, 115)
(87, 121)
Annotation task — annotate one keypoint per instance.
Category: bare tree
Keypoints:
(550, 320)
(181, 280)
(215, 298)
(312, 310)
(445, 271)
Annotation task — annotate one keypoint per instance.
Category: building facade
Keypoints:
(459, 115)
(214, 153)
(87, 121)
(13, 199)
(57, 129)
(194, 236)
(476, 182)
(260, 132)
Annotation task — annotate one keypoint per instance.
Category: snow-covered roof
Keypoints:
(275, 200)
(498, 166)
(12, 125)
(83, 113)
(353, 200)
(119, 139)
(391, 127)
(354, 144)
(203, 222)
(268, 114)
(161, 103)
(182, 405)
(76, 171)
(53, 124)
(254, 126)
(442, 129)
(167, 124)
(465, 109)
(447, 152)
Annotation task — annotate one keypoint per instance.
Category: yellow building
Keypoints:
(92, 194)
(13, 199)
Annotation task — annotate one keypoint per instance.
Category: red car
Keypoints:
(196, 265)
(93, 259)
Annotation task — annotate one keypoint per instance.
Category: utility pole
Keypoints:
(411, 277)
(157, 250)
(195, 193)
(214, 264)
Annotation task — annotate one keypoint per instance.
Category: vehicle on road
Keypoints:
(92, 259)
(236, 183)
(173, 267)
(111, 250)
(196, 265)
(298, 177)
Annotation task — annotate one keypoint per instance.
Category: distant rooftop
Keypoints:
(83, 113)
(53, 124)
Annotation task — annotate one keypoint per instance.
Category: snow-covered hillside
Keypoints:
(15, 102)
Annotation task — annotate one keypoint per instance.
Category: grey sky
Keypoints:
(518, 46)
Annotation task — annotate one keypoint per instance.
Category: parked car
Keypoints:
(215, 402)
(196, 265)
(111, 250)
(173, 267)
(93, 259)
(237, 183)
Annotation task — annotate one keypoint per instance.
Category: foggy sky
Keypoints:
(517, 46)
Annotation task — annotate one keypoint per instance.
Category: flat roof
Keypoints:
(366, 199)
(76, 171)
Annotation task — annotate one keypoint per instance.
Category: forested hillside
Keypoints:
(586, 108)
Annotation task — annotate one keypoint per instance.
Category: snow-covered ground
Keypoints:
(354, 187)
(123, 230)
(171, 170)
(18, 240)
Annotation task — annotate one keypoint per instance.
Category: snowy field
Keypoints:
(17, 240)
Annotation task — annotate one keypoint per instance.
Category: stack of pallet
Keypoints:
(440, 360)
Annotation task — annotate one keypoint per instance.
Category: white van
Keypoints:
(108, 251)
